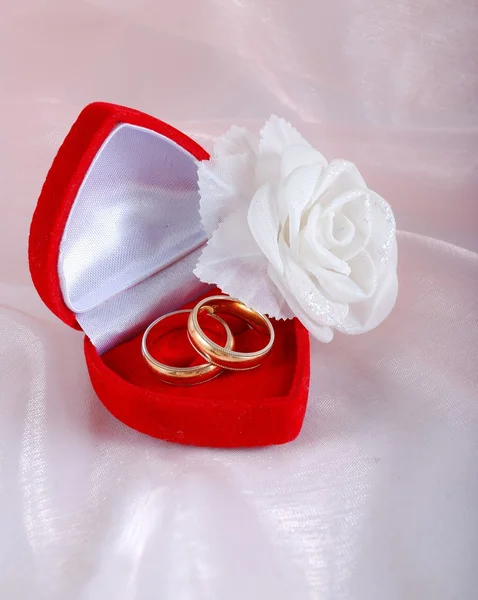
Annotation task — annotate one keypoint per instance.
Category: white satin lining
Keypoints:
(132, 236)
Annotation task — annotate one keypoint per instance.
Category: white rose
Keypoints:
(291, 235)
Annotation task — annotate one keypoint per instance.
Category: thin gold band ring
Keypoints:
(225, 357)
(183, 375)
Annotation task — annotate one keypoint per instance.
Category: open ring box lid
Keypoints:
(113, 243)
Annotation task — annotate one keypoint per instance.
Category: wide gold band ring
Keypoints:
(226, 357)
(183, 375)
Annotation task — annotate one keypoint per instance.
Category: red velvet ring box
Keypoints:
(113, 243)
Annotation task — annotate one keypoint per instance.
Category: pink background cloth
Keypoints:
(378, 497)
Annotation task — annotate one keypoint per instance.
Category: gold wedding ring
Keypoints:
(184, 375)
(226, 357)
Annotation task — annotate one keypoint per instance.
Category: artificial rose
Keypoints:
(293, 235)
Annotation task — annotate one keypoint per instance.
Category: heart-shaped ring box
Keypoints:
(113, 243)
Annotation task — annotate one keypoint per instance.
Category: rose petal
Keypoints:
(358, 212)
(298, 191)
(313, 252)
(264, 224)
(224, 183)
(228, 178)
(364, 275)
(296, 283)
(365, 316)
(339, 177)
(237, 140)
(382, 242)
(323, 333)
(299, 156)
(356, 287)
(233, 261)
(338, 231)
(275, 137)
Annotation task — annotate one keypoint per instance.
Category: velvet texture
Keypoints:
(250, 408)
(254, 408)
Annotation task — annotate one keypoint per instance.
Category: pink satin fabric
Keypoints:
(378, 497)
